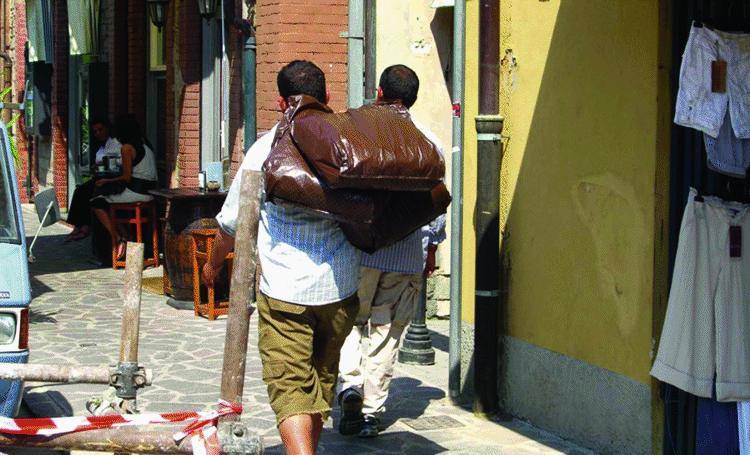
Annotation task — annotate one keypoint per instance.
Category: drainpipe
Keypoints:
(356, 50)
(370, 52)
(224, 90)
(248, 79)
(454, 345)
(489, 125)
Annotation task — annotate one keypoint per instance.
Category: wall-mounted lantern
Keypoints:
(158, 11)
(207, 8)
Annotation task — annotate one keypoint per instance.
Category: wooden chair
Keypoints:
(209, 301)
(134, 216)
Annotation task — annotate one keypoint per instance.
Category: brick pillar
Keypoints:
(187, 109)
(174, 86)
(136, 41)
(60, 103)
(235, 44)
(305, 29)
(19, 80)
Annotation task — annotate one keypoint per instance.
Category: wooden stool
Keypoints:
(137, 214)
(208, 303)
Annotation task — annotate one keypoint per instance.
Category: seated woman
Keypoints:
(79, 213)
(138, 176)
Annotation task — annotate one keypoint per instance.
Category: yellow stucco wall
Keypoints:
(579, 93)
(414, 34)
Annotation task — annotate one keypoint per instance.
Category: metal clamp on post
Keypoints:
(236, 439)
(127, 378)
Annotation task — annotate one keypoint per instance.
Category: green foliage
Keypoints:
(11, 138)
(12, 141)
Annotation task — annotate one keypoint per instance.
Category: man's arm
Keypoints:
(436, 235)
(223, 244)
(227, 217)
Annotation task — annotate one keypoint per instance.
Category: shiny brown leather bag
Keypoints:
(370, 219)
(375, 147)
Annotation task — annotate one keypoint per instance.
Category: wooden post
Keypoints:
(131, 319)
(142, 440)
(242, 290)
(131, 314)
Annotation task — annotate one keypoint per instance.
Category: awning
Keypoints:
(39, 29)
(442, 3)
(83, 26)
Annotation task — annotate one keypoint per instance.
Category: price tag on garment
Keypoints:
(719, 76)
(735, 241)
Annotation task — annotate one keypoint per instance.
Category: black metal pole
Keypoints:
(487, 294)
(417, 348)
(249, 88)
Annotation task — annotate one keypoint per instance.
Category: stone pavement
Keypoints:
(75, 319)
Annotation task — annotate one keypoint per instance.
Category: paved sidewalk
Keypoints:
(75, 319)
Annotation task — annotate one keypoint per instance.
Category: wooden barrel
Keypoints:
(178, 243)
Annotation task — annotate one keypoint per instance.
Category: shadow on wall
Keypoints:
(578, 180)
(584, 187)
(442, 32)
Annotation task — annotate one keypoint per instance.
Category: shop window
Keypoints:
(156, 49)
(214, 95)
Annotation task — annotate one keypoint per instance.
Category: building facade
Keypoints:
(187, 98)
(593, 181)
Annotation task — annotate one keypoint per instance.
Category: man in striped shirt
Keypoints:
(390, 284)
(308, 289)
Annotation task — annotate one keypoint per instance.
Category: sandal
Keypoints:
(72, 236)
(121, 249)
(80, 235)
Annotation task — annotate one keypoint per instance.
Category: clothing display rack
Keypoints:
(688, 169)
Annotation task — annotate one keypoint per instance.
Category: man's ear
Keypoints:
(283, 105)
(380, 94)
(328, 96)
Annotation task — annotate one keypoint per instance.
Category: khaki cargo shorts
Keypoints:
(300, 348)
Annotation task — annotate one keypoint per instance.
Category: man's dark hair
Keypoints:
(104, 121)
(399, 82)
(301, 77)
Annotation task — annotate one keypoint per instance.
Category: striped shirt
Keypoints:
(410, 254)
(305, 259)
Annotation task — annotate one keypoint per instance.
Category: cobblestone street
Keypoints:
(75, 319)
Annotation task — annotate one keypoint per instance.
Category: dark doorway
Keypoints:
(156, 95)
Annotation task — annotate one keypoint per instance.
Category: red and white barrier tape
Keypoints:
(202, 429)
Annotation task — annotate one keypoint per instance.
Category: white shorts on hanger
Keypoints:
(726, 153)
(707, 327)
(697, 106)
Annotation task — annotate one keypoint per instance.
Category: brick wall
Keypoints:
(173, 86)
(287, 30)
(136, 42)
(299, 29)
(17, 44)
(235, 43)
(188, 108)
(60, 103)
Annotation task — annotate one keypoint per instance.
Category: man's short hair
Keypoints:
(302, 77)
(104, 121)
(399, 82)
